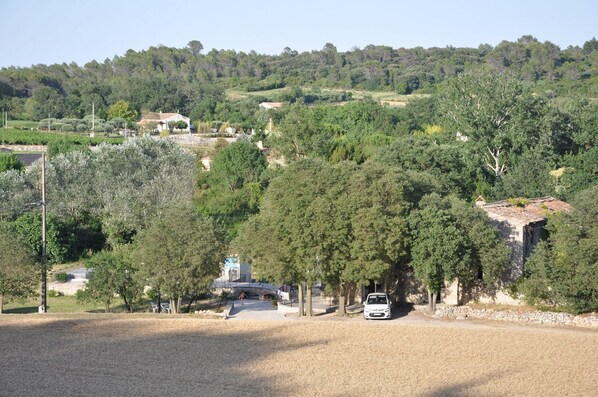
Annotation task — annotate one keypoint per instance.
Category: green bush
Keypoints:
(53, 293)
(61, 277)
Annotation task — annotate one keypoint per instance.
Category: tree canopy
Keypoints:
(180, 253)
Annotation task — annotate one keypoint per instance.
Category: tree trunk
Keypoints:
(432, 301)
(179, 303)
(1, 303)
(107, 308)
(459, 293)
(128, 305)
(342, 308)
(300, 298)
(309, 310)
(159, 301)
(193, 299)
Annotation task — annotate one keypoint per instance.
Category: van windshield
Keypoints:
(377, 300)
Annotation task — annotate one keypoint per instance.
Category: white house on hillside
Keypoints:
(162, 120)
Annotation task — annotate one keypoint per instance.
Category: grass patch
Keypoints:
(385, 97)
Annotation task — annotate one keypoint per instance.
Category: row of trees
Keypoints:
(346, 225)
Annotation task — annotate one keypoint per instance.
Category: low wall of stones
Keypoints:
(532, 317)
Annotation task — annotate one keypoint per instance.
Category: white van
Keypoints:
(377, 305)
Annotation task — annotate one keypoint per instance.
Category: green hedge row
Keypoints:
(17, 137)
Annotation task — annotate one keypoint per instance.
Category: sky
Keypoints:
(55, 31)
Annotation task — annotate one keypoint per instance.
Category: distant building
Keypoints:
(235, 271)
(161, 121)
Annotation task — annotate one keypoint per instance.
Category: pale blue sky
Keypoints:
(56, 31)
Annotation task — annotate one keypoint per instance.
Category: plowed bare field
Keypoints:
(130, 355)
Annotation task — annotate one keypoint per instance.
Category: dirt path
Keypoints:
(126, 355)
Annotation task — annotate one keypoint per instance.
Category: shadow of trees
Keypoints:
(124, 355)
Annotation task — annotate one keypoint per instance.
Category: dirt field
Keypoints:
(135, 355)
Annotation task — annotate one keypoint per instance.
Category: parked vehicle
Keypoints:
(377, 305)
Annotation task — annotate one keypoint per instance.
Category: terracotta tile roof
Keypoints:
(530, 211)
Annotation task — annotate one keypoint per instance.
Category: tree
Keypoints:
(232, 189)
(453, 240)
(562, 271)
(495, 113)
(450, 162)
(195, 47)
(112, 274)
(29, 229)
(18, 274)
(181, 125)
(9, 161)
(437, 246)
(122, 109)
(179, 254)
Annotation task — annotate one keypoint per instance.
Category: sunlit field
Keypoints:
(119, 354)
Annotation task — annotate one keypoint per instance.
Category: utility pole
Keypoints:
(44, 307)
(49, 120)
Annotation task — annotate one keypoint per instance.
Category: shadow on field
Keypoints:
(125, 355)
(464, 388)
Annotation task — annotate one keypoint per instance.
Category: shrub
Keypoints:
(61, 277)
(54, 294)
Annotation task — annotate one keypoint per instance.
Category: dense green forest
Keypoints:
(193, 83)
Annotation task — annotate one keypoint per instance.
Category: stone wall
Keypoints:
(527, 317)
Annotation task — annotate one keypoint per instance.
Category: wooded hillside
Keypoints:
(193, 83)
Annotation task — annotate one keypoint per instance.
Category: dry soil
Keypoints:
(168, 355)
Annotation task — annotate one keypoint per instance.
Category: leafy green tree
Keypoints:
(112, 274)
(437, 246)
(494, 113)
(180, 254)
(29, 229)
(48, 102)
(562, 271)
(237, 164)
(195, 47)
(122, 109)
(232, 188)
(451, 162)
(453, 240)
(181, 125)
(9, 161)
(529, 177)
(302, 134)
(18, 273)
